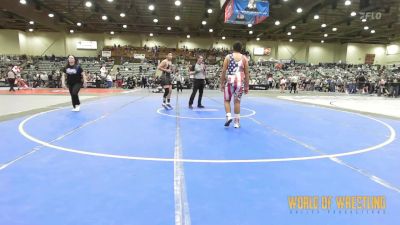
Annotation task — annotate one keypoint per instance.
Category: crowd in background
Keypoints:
(274, 74)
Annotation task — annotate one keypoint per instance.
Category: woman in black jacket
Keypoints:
(75, 79)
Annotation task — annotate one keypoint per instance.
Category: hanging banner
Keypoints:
(246, 11)
(91, 45)
(369, 59)
(139, 56)
(106, 54)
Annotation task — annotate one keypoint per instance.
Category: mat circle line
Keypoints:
(390, 139)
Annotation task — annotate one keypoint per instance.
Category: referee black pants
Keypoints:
(198, 84)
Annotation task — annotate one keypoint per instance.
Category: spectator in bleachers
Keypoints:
(282, 84)
(103, 71)
(293, 82)
(109, 81)
(11, 76)
(143, 83)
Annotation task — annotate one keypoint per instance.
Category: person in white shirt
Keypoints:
(270, 81)
(109, 81)
(282, 85)
(103, 71)
(293, 83)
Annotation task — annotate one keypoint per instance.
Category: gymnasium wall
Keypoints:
(393, 53)
(9, 42)
(40, 43)
(61, 44)
(292, 50)
(321, 53)
(356, 53)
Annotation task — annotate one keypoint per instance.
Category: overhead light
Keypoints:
(31, 22)
(347, 2)
(257, 39)
(293, 27)
(325, 35)
(291, 40)
(249, 25)
(299, 10)
(30, 30)
(209, 11)
(364, 20)
(251, 32)
(316, 17)
(168, 28)
(178, 3)
(334, 29)
(104, 17)
(23, 2)
(151, 34)
(125, 26)
(289, 33)
(151, 7)
(353, 14)
(366, 28)
(277, 22)
(372, 31)
(110, 0)
(88, 4)
(177, 17)
(285, 0)
(322, 41)
(79, 24)
(71, 31)
(51, 15)
(112, 33)
(122, 15)
(223, 37)
(323, 25)
(204, 22)
(188, 36)
(155, 20)
(211, 30)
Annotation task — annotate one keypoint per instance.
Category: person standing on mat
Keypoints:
(166, 80)
(234, 81)
(198, 82)
(75, 78)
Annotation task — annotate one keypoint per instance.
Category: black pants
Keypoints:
(198, 84)
(11, 81)
(179, 86)
(73, 91)
(293, 86)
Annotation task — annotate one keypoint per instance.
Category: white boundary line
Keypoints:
(159, 111)
(390, 139)
(182, 214)
(37, 148)
(370, 176)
